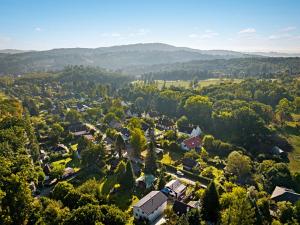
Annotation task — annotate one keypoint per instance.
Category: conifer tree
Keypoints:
(210, 203)
(150, 160)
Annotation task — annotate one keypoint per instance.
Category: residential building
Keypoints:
(176, 188)
(191, 143)
(285, 194)
(189, 164)
(151, 206)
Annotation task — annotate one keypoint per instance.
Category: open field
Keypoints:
(292, 134)
(294, 156)
(201, 83)
(187, 83)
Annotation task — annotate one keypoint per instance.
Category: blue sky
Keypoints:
(242, 25)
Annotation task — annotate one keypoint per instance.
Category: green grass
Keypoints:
(294, 156)
(68, 162)
(201, 83)
(107, 184)
(171, 157)
(123, 199)
(186, 83)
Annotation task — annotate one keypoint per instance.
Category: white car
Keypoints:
(178, 172)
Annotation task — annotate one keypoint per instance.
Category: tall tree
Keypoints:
(128, 180)
(138, 141)
(194, 217)
(238, 164)
(239, 210)
(198, 109)
(150, 160)
(210, 204)
(120, 144)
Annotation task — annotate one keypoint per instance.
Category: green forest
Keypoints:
(77, 144)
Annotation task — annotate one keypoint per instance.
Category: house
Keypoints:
(186, 129)
(74, 127)
(196, 132)
(68, 172)
(89, 137)
(285, 194)
(146, 181)
(151, 206)
(164, 123)
(159, 152)
(115, 124)
(189, 164)
(61, 148)
(176, 188)
(80, 133)
(125, 133)
(192, 131)
(145, 126)
(180, 208)
(191, 143)
(277, 151)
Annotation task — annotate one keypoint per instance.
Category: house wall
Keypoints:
(159, 211)
(138, 213)
(184, 147)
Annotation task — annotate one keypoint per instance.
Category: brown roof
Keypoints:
(151, 202)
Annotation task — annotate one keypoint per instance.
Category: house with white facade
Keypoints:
(151, 206)
(177, 188)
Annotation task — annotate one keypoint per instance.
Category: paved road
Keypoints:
(186, 180)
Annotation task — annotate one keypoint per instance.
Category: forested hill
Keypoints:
(116, 57)
(242, 67)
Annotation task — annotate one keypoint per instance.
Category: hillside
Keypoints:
(241, 67)
(116, 57)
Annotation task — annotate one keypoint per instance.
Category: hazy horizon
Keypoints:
(248, 26)
(262, 51)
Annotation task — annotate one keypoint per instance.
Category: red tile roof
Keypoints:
(193, 142)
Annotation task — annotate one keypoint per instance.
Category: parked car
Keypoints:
(179, 173)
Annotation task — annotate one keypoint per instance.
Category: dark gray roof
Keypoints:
(285, 194)
(180, 208)
(151, 202)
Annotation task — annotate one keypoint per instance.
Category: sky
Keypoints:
(240, 25)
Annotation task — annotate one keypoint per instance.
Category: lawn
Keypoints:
(171, 157)
(202, 83)
(123, 199)
(294, 156)
(67, 162)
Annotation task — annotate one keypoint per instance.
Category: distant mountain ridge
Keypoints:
(114, 58)
(13, 51)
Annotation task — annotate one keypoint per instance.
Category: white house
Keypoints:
(196, 132)
(151, 206)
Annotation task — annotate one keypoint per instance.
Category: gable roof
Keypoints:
(151, 202)
(186, 129)
(176, 186)
(165, 122)
(80, 133)
(181, 208)
(193, 142)
(285, 194)
(189, 162)
(148, 179)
